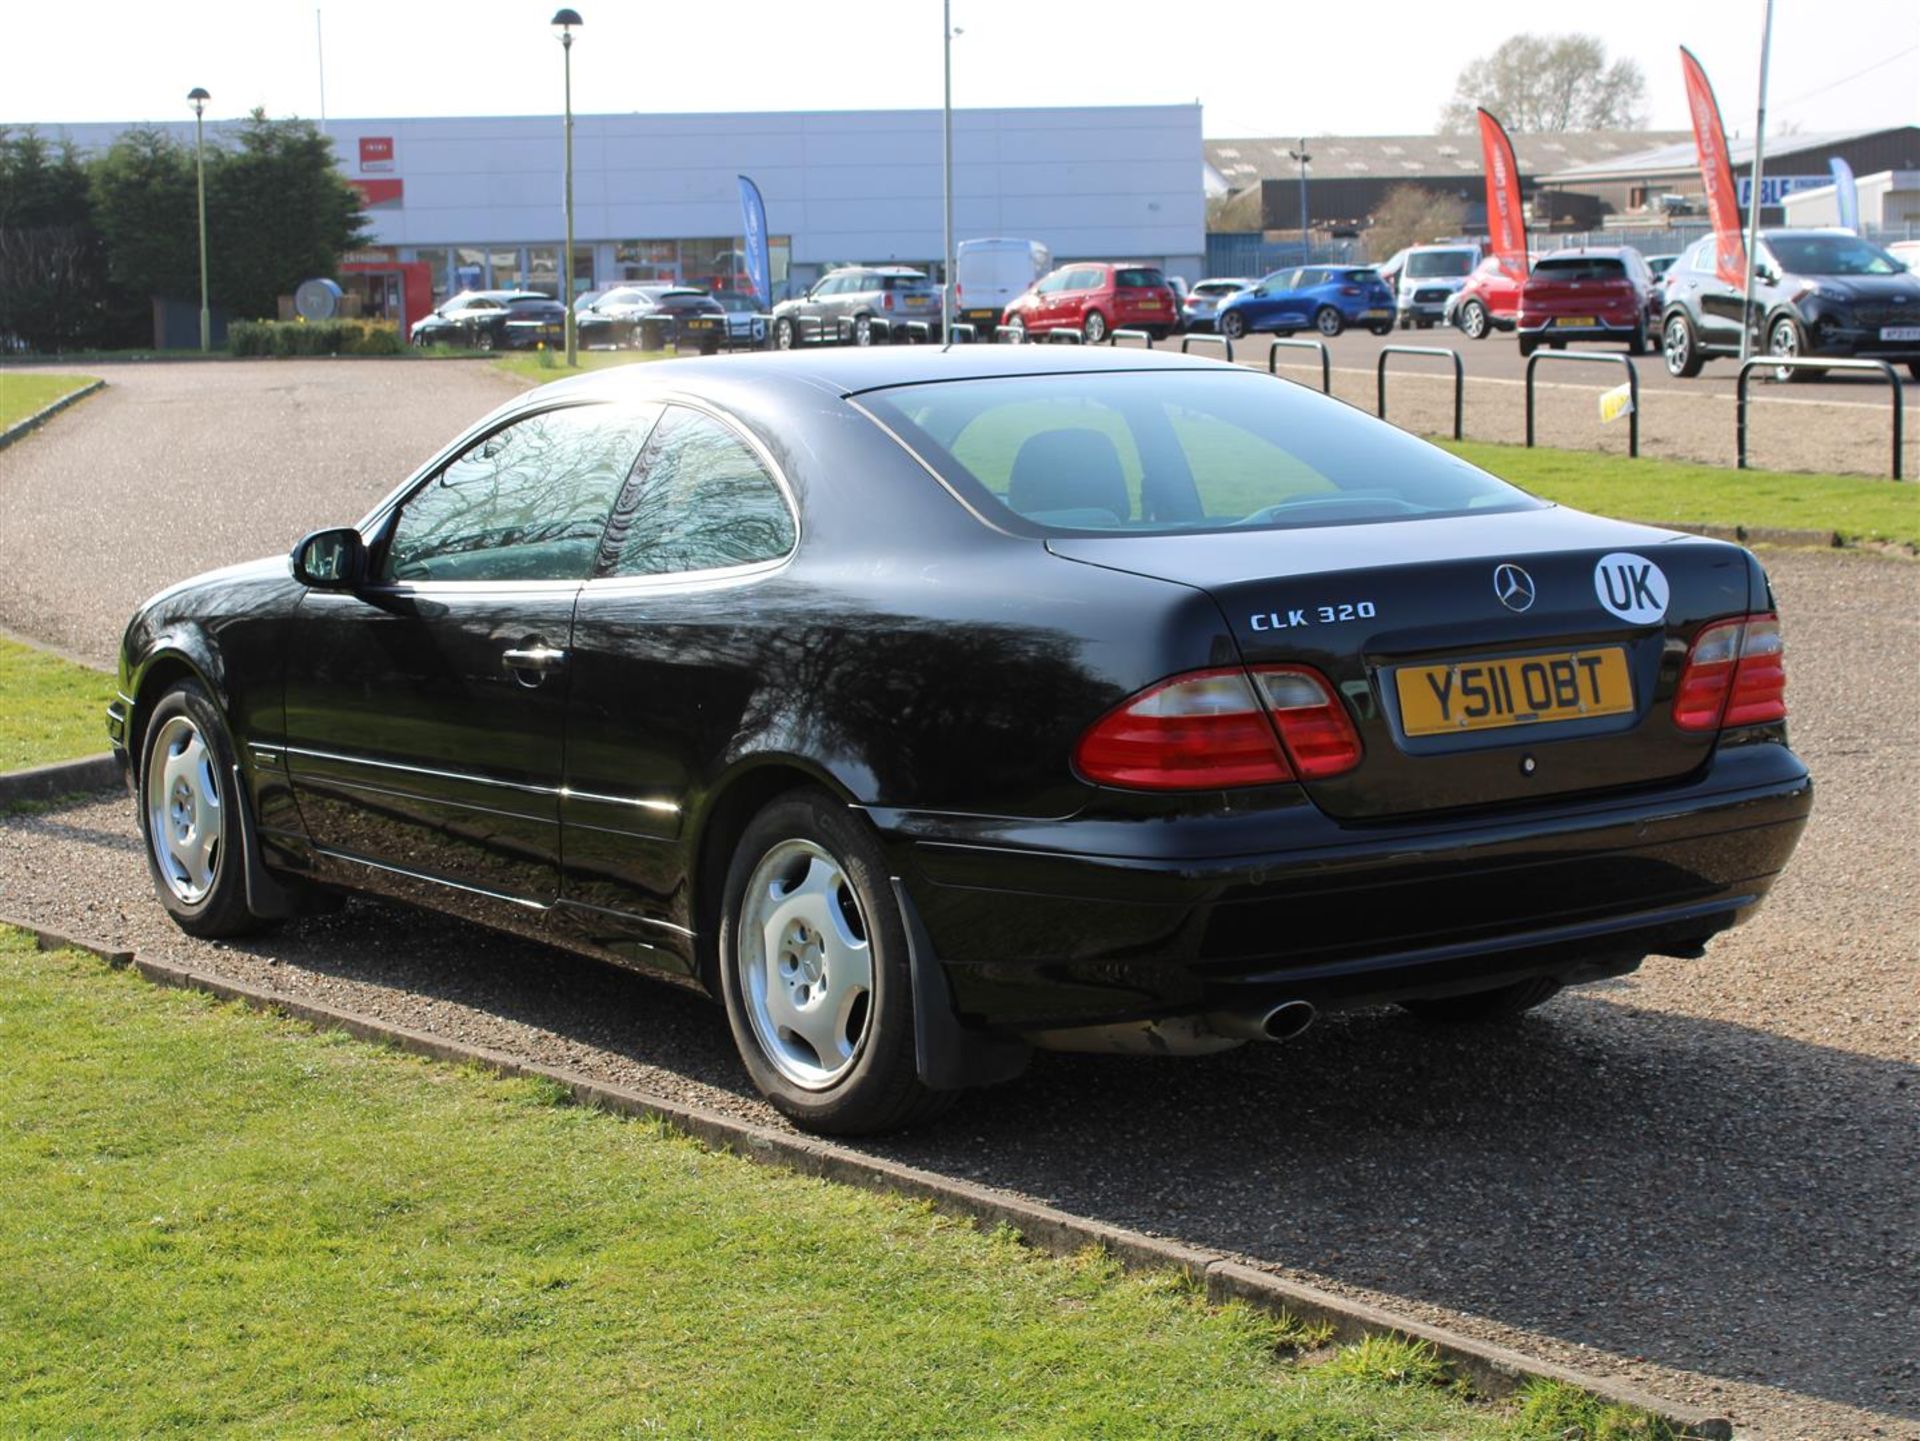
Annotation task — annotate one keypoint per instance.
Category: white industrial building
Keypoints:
(1888, 201)
(478, 200)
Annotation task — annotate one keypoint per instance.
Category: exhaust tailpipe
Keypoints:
(1282, 1023)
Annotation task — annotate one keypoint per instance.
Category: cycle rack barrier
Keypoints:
(1186, 343)
(1282, 342)
(1633, 391)
(918, 331)
(962, 330)
(1072, 337)
(1114, 337)
(1459, 380)
(1018, 332)
(1871, 367)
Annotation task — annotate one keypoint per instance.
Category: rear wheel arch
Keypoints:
(724, 818)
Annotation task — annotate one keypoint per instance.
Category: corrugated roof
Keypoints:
(1243, 162)
(1680, 158)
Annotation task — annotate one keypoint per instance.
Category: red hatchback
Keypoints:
(1587, 295)
(1488, 301)
(1094, 297)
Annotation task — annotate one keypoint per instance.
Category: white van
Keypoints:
(988, 274)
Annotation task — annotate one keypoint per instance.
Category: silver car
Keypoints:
(1203, 301)
(859, 305)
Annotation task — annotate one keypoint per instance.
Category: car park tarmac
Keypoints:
(1701, 1177)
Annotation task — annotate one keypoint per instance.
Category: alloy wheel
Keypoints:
(186, 822)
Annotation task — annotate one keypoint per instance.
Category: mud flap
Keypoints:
(267, 898)
(948, 1055)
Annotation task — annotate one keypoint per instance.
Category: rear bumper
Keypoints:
(1042, 934)
(1543, 327)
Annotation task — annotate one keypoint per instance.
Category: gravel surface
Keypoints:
(1701, 1178)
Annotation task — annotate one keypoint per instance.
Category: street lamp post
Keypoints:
(946, 178)
(564, 21)
(1302, 156)
(199, 98)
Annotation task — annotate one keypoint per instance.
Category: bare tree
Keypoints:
(1549, 82)
(1413, 215)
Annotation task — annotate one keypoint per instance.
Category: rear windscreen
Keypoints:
(903, 282)
(1362, 277)
(1579, 267)
(1140, 276)
(1163, 452)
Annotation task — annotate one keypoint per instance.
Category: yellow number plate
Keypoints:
(1575, 321)
(1513, 690)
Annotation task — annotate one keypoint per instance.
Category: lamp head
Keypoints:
(564, 21)
(198, 98)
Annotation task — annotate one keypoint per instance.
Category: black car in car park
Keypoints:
(655, 315)
(494, 320)
(924, 707)
(1816, 293)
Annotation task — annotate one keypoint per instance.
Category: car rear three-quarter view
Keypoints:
(927, 707)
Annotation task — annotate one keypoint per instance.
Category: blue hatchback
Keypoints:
(1326, 298)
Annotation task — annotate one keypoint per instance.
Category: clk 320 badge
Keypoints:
(1312, 615)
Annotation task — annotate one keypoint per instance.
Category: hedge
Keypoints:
(320, 337)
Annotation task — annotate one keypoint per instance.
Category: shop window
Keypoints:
(543, 269)
(507, 274)
(469, 268)
(439, 262)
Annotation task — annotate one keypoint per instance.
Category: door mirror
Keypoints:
(331, 559)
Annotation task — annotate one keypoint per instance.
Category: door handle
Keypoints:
(536, 659)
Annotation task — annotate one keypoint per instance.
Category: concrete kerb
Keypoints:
(62, 778)
(40, 417)
(1493, 1371)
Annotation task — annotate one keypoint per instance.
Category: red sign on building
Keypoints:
(376, 153)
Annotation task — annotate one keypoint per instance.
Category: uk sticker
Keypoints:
(1631, 587)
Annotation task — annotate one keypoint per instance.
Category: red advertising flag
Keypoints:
(1716, 173)
(1506, 221)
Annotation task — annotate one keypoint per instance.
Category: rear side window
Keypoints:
(1160, 453)
(700, 499)
(1139, 276)
(1580, 267)
(529, 502)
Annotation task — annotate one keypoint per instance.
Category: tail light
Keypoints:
(1350, 290)
(1735, 676)
(886, 300)
(1213, 729)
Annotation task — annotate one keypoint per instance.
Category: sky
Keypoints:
(1257, 67)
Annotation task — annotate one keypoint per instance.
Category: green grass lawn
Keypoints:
(50, 709)
(23, 395)
(222, 1221)
(1675, 492)
(530, 364)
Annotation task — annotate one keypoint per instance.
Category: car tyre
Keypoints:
(814, 973)
(1093, 329)
(1913, 369)
(1381, 327)
(1232, 324)
(483, 339)
(863, 330)
(1680, 346)
(784, 336)
(1528, 345)
(1019, 329)
(1502, 1003)
(1329, 321)
(1786, 340)
(1473, 320)
(1637, 345)
(189, 818)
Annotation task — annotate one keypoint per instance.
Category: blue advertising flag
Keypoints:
(1845, 194)
(753, 225)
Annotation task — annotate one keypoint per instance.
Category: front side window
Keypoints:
(529, 502)
(1162, 453)
(700, 499)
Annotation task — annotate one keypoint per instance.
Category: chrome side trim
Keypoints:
(520, 901)
(659, 807)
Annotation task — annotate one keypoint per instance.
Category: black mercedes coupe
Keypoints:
(925, 707)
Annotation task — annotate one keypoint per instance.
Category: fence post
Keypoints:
(1281, 342)
(1869, 367)
(1459, 381)
(1633, 391)
(1186, 343)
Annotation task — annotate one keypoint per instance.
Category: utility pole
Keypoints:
(564, 21)
(1755, 178)
(946, 178)
(199, 99)
(1302, 156)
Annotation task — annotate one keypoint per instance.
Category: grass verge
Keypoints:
(25, 395)
(551, 365)
(50, 709)
(1671, 492)
(244, 1224)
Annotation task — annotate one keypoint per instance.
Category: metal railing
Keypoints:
(919, 332)
(1770, 362)
(1633, 391)
(1459, 381)
(1282, 342)
(1018, 334)
(962, 331)
(1186, 343)
(1059, 333)
(1114, 337)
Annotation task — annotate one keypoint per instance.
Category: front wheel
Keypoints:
(1785, 342)
(1328, 321)
(1473, 320)
(813, 971)
(1501, 1004)
(783, 334)
(1680, 347)
(483, 340)
(1233, 325)
(189, 816)
(1094, 328)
